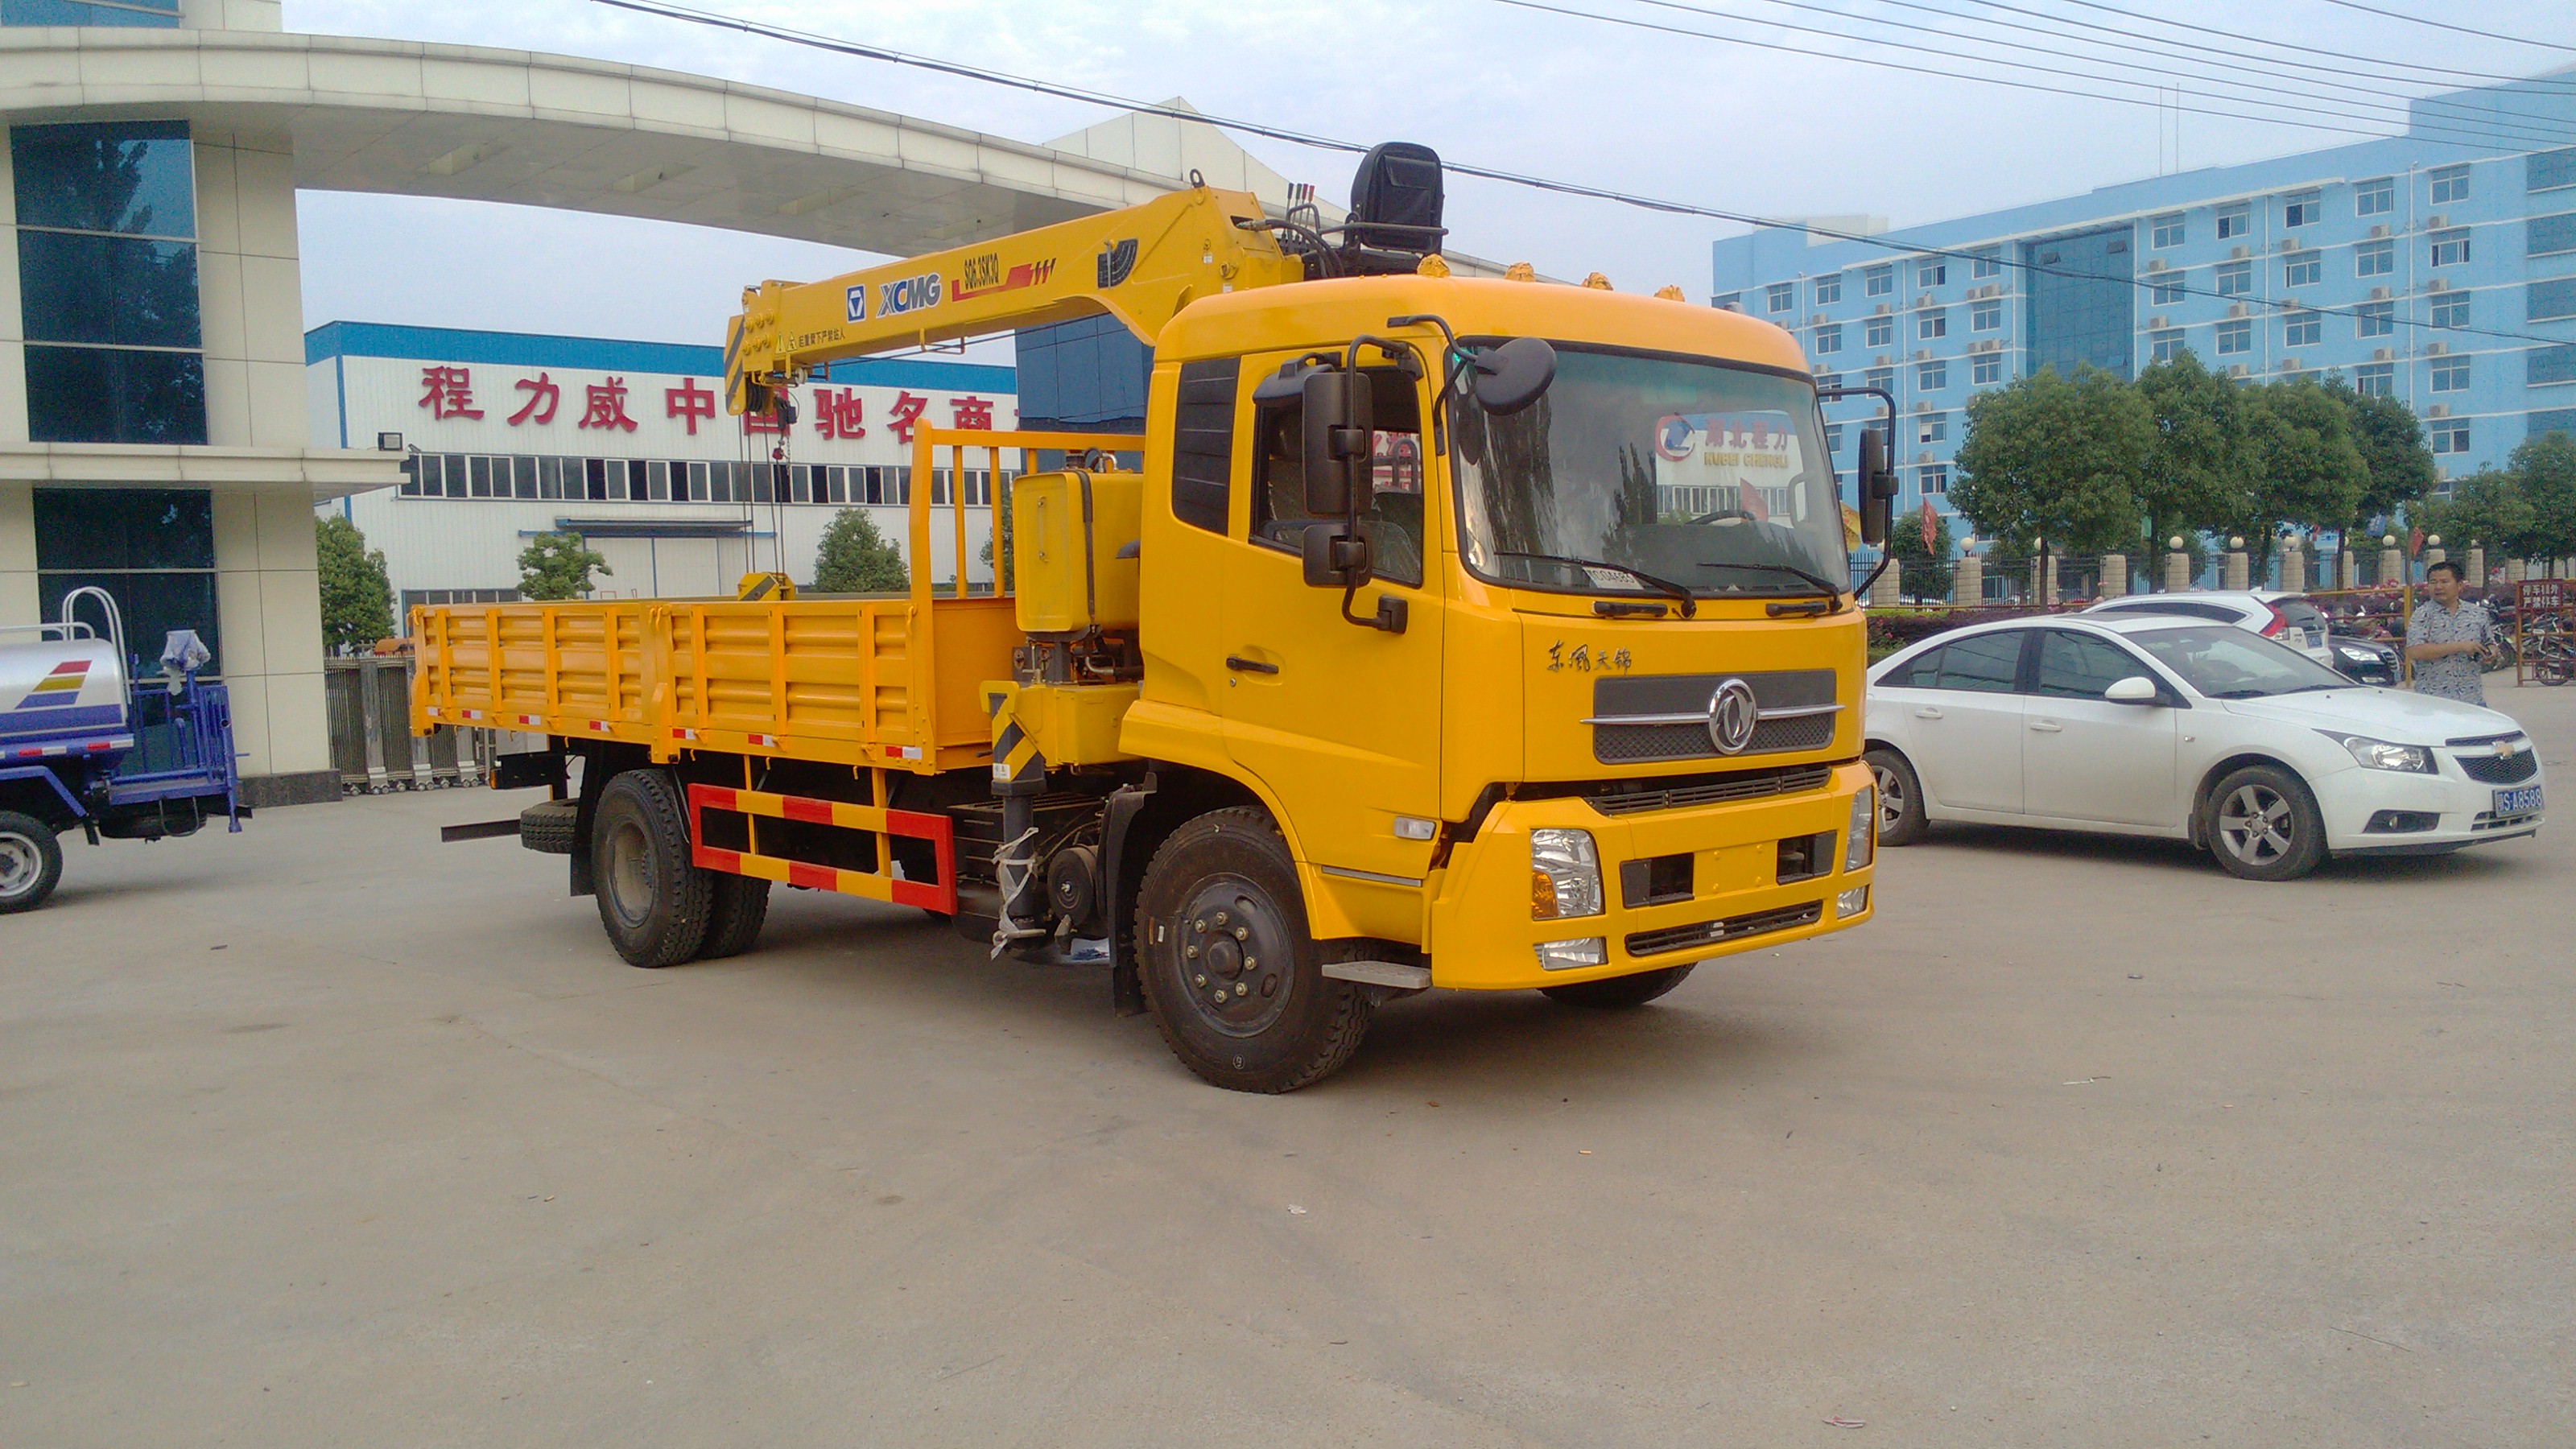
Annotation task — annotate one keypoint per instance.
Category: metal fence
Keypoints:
(372, 746)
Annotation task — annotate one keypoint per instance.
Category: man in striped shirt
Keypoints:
(2448, 638)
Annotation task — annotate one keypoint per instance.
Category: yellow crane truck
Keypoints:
(1480, 633)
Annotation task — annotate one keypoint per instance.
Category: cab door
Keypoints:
(1340, 721)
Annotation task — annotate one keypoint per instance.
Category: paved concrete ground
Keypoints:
(329, 1134)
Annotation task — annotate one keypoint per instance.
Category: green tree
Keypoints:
(2545, 469)
(558, 566)
(2487, 507)
(2059, 460)
(2197, 463)
(856, 559)
(2301, 464)
(357, 596)
(1922, 572)
(2398, 471)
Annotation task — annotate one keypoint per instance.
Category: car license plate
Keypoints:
(2524, 801)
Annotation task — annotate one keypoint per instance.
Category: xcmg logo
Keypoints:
(912, 294)
(857, 299)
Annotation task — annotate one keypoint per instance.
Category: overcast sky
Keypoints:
(1717, 123)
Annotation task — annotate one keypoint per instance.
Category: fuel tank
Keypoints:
(56, 688)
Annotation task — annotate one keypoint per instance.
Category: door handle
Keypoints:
(2048, 726)
(1249, 666)
(1927, 712)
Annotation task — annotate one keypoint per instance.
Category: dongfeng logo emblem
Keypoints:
(1732, 714)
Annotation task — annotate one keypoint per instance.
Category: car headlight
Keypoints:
(2381, 755)
(2357, 656)
(1860, 836)
(1565, 875)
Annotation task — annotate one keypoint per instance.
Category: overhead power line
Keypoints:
(2484, 75)
(2345, 127)
(2157, 47)
(2478, 127)
(2446, 25)
(1085, 95)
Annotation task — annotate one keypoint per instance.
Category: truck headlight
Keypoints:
(1566, 955)
(2381, 755)
(1565, 876)
(1860, 837)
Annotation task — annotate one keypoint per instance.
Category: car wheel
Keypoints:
(652, 902)
(2262, 824)
(1234, 982)
(31, 862)
(1901, 820)
(1618, 993)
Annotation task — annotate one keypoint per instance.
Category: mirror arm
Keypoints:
(1392, 613)
(1453, 365)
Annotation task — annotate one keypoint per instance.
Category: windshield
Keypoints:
(2225, 662)
(1710, 477)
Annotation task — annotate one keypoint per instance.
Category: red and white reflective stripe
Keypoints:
(597, 726)
(531, 721)
(469, 714)
(680, 734)
(430, 710)
(906, 752)
(766, 742)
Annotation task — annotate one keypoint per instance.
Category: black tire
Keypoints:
(1220, 900)
(31, 862)
(550, 827)
(1901, 819)
(2263, 824)
(1619, 993)
(736, 907)
(652, 901)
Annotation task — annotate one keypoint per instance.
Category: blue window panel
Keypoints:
(2556, 420)
(136, 177)
(89, 530)
(160, 14)
(2553, 364)
(2545, 300)
(2080, 307)
(2553, 234)
(2549, 170)
(119, 291)
(111, 395)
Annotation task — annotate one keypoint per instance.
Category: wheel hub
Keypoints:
(629, 888)
(19, 865)
(2256, 825)
(1235, 957)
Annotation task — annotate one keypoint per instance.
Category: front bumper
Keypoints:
(1482, 937)
(2463, 809)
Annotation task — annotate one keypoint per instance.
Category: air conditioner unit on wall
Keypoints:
(1879, 311)
(2288, 244)
(2155, 264)
(2377, 232)
(2438, 410)
(2156, 324)
(2235, 309)
(1816, 321)
(2438, 284)
(2434, 349)
(2289, 364)
(2379, 294)
(2236, 254)
(2436, 222)
(2379, 354)
(2236, 369)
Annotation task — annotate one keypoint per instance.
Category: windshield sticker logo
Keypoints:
(1584, 659)
(912, 294)
(1729, 467)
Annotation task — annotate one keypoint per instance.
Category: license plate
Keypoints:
(2523, 801)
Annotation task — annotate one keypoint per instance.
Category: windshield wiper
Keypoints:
(1830, 591)
(1690, 603)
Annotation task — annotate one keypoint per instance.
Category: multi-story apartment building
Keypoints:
(2438, 267)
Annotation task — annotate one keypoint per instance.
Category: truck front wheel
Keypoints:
(652, 901)
(31, 862)
(1234, 981)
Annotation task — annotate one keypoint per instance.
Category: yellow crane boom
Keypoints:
(1140, 264)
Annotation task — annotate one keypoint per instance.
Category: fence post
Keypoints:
(1968, 581)
(2477, 565)
(1887, 592)
(2115, 575)
(2294, 569)
(2392, 564)
(2177, 566)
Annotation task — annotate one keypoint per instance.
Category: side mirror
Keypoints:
(1339, 438)
(2136, 689)
(1877, 488)
(1335, 557)
(1514, 375)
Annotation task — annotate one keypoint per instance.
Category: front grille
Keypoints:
(1625, 744)
(1710, 933)
(1696, 790)
(2510, 769)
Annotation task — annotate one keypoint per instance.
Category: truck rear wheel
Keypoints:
(1234, 981)
(736, 906)
(652, 902)
(31, 862)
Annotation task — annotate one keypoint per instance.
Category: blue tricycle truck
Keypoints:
(85, 745)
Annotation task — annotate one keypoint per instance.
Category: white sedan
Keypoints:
(2191, 730)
